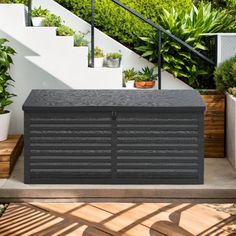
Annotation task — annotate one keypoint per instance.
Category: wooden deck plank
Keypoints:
(106, 219)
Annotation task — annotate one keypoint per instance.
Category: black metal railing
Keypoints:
(29, 5)
(160, 31)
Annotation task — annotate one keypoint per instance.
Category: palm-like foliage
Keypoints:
(190, 27)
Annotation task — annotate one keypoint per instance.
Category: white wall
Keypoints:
(231, 129)
(226, 46)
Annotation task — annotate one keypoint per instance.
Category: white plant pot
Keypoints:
(130, 84)
(98, 62)
(4, 125)
(37, 21)
(231, 129)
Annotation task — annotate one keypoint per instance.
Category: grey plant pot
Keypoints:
(113, 63)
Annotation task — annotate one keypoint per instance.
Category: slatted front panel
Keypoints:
(159, 148)
(113, 147)
(64, 148)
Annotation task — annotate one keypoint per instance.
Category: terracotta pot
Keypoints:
(144, 84)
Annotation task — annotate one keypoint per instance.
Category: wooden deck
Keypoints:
(103, 219)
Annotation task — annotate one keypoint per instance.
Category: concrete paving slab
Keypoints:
(220, 184)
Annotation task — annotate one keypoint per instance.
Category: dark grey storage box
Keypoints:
(114, 137)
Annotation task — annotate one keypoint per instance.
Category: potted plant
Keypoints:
(225, 78)
(80, 41)
(98, 57)
(114, 59)
(38, 15)
(145, 78)
(64, 30)
(129, 77)
(5, 81)
(52, 20)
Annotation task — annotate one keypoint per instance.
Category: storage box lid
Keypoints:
(101, 100)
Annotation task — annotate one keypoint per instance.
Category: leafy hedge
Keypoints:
(190, 27)
(225, 75)
(120, 24)
(14, 1)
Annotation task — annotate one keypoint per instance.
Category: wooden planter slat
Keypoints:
(9, 152)
(214, 125)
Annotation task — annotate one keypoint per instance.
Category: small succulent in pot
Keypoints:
(65, 30)
(114, 59)
(80, 41)
(38, 15)
(129, 77)
(52, 20)
(145, 78)
(98, 57)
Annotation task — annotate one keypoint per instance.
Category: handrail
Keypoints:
(160, 31)
(29, 5)
(92, 33)
(164, 31)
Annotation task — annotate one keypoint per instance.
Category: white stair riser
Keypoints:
(10, 12)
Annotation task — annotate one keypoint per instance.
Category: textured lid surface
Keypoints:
(97, 100)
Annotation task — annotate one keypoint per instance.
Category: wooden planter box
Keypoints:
(9, 152)
(214, 131)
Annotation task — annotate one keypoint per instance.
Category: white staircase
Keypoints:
(47, 61)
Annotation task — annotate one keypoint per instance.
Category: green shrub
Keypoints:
(5, 79)
(14, 1)
(52, 20)
(129, 74)
(98, 53)
(65, 30)
(120, 24)
(190, 27)
(39, 12)
(114, 55)
(80, 41)
(225, 75)
(146, 74)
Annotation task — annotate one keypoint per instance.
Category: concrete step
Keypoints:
(74, 71)
(41, 40)
(220, 186)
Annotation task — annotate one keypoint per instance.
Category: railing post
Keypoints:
(159, 58)
(29, 12)
(92, 34)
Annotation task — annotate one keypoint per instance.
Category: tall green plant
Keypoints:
(190, 26)
(5, 79)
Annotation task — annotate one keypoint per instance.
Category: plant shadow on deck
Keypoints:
(103, 219)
